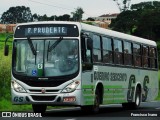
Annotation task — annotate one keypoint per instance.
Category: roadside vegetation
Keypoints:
(5, 80)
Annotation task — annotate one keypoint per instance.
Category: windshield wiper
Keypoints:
(55, 44)
(32, 48)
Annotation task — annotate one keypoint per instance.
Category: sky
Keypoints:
(92, 8)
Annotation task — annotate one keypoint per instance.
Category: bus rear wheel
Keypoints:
(136, 104)
(39, 108)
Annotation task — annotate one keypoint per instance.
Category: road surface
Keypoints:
(147, 111)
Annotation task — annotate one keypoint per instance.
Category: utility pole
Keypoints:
(123, 5)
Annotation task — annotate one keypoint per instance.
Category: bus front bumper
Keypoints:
(73, 98)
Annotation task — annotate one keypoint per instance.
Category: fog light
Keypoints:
(69, 99)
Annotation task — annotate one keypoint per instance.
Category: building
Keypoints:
(103, 21)
(7, 28)
(106, 18)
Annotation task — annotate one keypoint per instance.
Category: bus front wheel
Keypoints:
(39, 108)
(96, 102)
(95, 107)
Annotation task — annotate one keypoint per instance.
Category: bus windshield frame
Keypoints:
(32, 48)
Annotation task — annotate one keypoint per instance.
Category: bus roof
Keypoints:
(115, 34)
(98, 30)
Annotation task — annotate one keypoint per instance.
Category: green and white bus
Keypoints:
(75, 64)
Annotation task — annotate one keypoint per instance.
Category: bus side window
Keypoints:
(127, 53)
(96, 49)
(118, 59)
(137, 55)
(153, 57)
(145, 56)
(107, 50)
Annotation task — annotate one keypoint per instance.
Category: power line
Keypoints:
(48, 4)
(55, 6)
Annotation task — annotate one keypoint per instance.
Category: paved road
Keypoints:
(111, 112)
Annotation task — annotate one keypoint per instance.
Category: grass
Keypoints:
(158, 97)
(5, 80)
(6, 105)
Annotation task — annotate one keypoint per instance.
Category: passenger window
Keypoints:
(96, 48)
(118, 52)
(107, 50)
(153, 58)
(127, 53)
(137, 54)
(145, 56)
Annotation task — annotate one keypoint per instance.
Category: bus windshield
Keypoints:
(45, 58)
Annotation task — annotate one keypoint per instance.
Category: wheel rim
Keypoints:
(137, 100)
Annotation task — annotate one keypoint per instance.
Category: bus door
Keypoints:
(87, 71)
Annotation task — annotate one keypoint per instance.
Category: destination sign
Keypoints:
(47, 30)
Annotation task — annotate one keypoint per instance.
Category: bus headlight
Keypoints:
(71, 87)
(17, 87)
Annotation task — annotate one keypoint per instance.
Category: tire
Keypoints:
(39, 108)
(96, 102)
(136, 104)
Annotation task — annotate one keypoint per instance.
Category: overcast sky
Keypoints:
(92, 8)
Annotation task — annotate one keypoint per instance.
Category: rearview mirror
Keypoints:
(6, 50)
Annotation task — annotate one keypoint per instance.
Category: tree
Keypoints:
(17, 14)
(149, 25)
(125, 21)
(77, 15)
(90, 19)
(35, 17)
(143, 20)
(146, 5)
(64, 17)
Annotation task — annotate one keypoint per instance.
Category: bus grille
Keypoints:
(43, 98)
(47, 91)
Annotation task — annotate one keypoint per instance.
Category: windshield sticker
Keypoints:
(40, 66)
(34, 72)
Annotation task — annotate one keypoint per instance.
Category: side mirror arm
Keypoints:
(6, 47)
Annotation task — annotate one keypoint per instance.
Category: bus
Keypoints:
(61, 63)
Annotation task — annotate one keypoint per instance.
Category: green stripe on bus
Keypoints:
(118, 91)
(88, 92)
(112, 86)
(88, 97)
(87, 86)
(108, 96)
(88, 102)
(108, 91)
(113, 101)
(118, 96)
